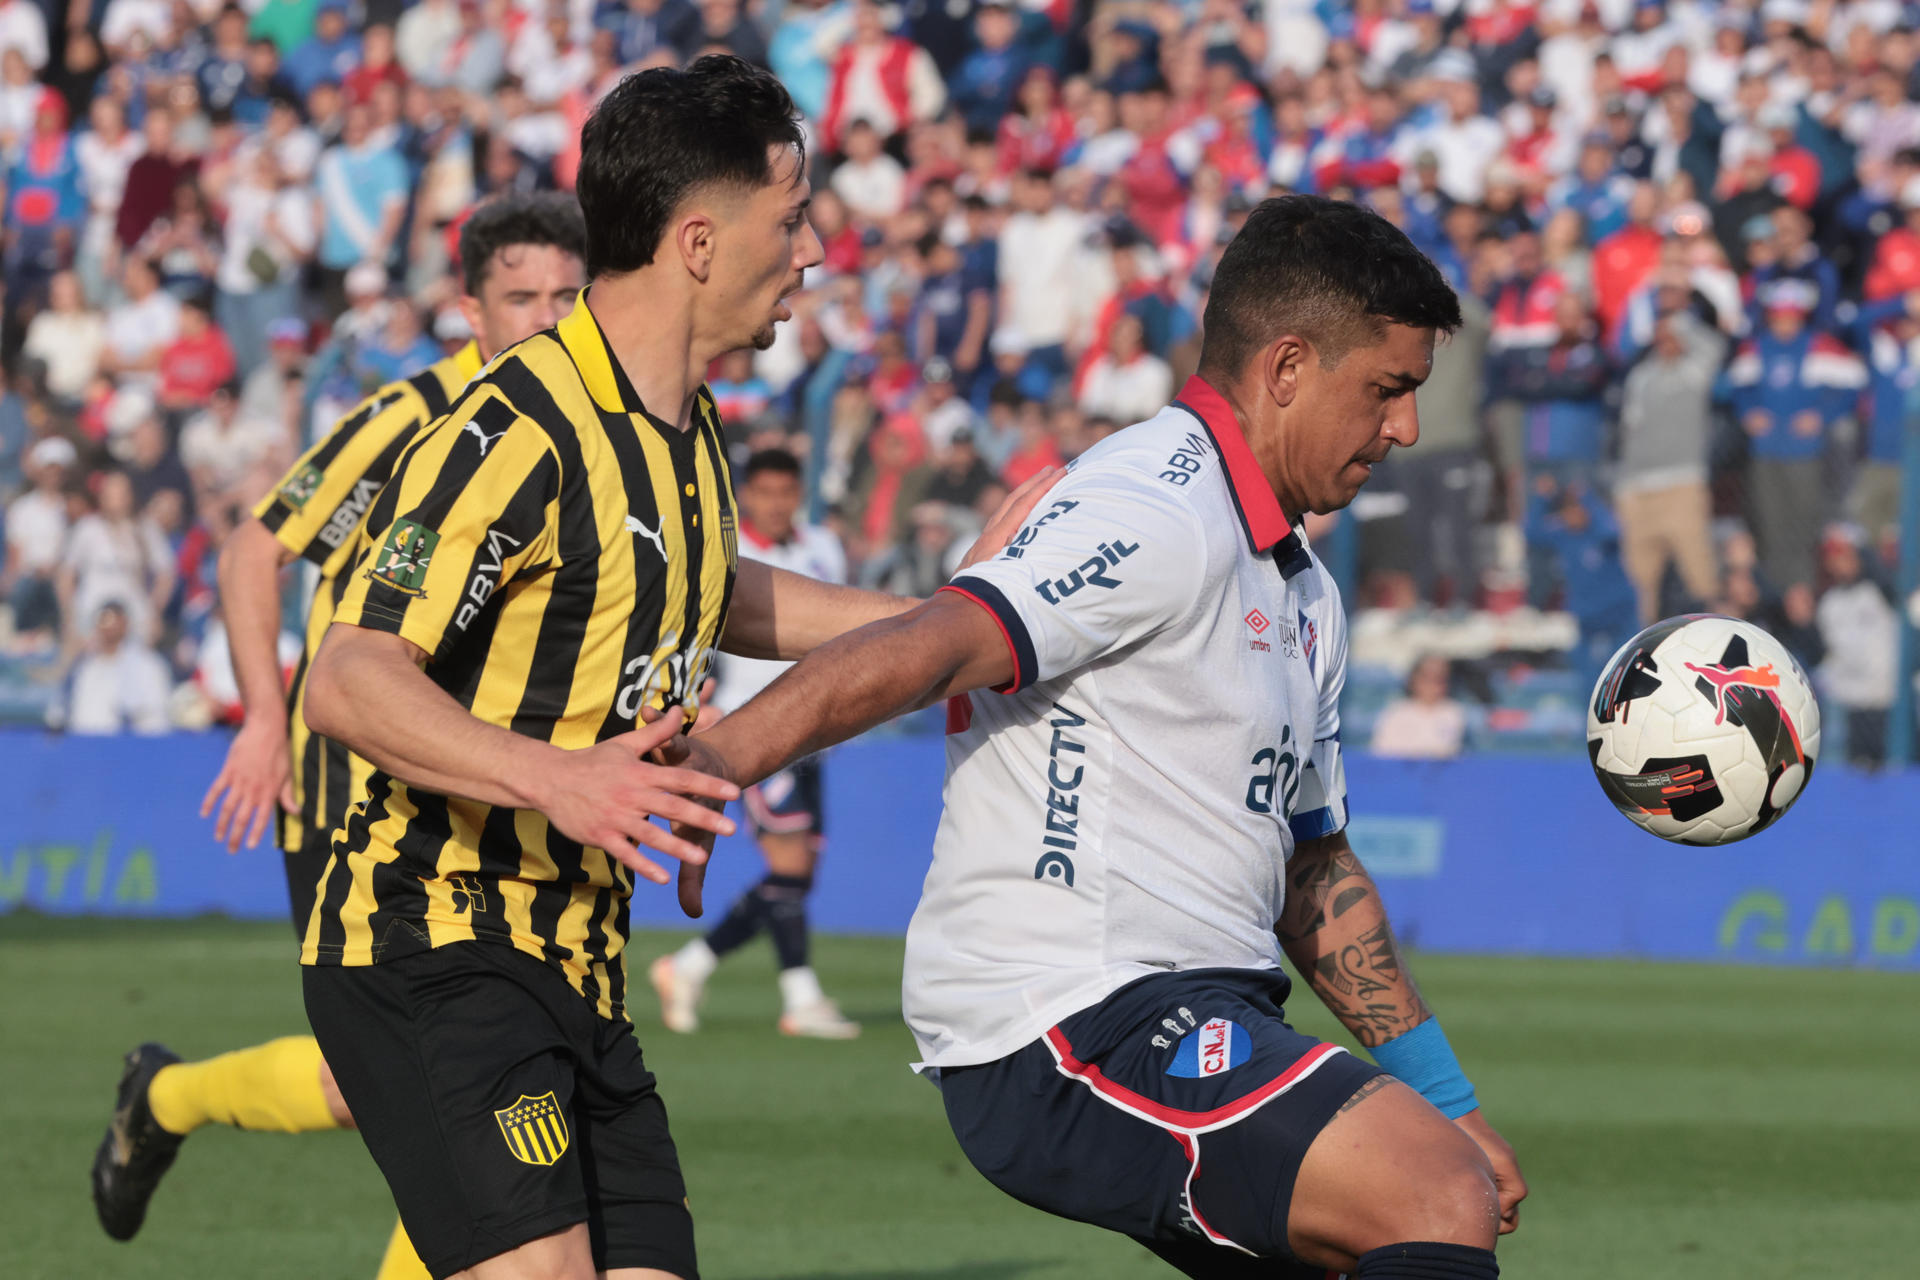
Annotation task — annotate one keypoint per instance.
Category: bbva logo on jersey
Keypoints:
(1216, 1046)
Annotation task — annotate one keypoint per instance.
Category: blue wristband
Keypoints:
(1423, 1059)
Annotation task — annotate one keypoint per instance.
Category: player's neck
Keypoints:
(650, 331)
(1265, 433)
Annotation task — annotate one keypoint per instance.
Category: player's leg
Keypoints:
(1390, 1187)
(640, 1226)
(457, 1064)
(277, 1087)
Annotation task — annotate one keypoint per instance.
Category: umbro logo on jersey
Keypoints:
(1258, 622)
(651, 535)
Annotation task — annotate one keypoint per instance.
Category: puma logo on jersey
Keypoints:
(486, 441)
(651, 535)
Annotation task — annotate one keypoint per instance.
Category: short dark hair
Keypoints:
(662, 134)
(779, 462)
(1334, 273)
(500, 223)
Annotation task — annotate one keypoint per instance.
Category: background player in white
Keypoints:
(1153, 813)
(785, 811)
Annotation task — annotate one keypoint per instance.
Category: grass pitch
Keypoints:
(1675, 1121)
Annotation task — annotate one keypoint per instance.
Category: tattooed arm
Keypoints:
(1335, 931)
(1334, 928)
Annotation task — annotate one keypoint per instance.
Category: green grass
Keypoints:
(1675, 1121)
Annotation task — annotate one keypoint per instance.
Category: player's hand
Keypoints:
(1757, 422)
(256, 779)
(710, 711)
(1012, 514)
(1806, 423)
(1507, 1178)
(695, 754)
(606, 796)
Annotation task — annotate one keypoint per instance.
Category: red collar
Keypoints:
(1266, 525)
(754, 538)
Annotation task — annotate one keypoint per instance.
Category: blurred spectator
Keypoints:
(741, 395)
(1891, 333)
(115, 555)
(363, 186)
(45, 204)
(221, 448)
(151, 179)
(119, 684)
(270, 236)
(1441, 475)
(36, 525)
(198, 360)
(1129, 383)
(1666, 430)
(985, 85)
(141, 326)
(956, 477)
(944, 414)
(398, 348)
(1896, 260)
(870, 181)
(68, 339)
(1580, 535)
(1036, 258)
(1035, 447)
(886, 80)
(1556, 387)
(1786, 385)
(1860, 632)
(1426, 724)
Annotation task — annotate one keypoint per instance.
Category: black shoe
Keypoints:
(136, 1151)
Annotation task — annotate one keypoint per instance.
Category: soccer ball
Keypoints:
(1703, 729)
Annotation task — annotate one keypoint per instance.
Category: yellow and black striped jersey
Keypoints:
(316, 512)
(564, 558)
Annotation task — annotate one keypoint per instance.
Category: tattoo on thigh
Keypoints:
(1364, 1092)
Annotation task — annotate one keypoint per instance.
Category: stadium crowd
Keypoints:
(1686, 236)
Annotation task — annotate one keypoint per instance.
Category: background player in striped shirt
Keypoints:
(786, 811)
(522, 266)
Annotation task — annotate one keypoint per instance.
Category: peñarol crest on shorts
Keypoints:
(301, 486)
(535, 1129)
(404, 556)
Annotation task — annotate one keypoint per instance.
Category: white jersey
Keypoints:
(1128, 804)
(812, 552)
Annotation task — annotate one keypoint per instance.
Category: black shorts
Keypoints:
(1176, 1111)
(502, 1108)
(787, 803)
(305, 866)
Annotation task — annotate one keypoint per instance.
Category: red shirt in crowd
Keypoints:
(193, 368)
(1156, 190)
(1621, 263)
(1896, 265)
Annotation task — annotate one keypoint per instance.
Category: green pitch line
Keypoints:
(1692, 1122)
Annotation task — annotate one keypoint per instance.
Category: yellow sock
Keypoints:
(274, 1087)
(401, 1262)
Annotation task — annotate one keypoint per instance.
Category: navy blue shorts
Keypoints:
(1176, 1111)
(787, 803)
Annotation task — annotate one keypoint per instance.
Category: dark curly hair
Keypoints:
(506, 221)
(660, 135)
(1335, 274)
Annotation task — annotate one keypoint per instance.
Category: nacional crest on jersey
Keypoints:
(1213, 1048)
(301, 486)
(404, 557)
(535, 1129)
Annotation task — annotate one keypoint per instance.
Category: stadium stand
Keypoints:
(1688, 237)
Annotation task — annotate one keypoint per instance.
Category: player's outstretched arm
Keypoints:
(1335, 931)
(786, 616)
(258, 773)
(940, 647)
(367, 691)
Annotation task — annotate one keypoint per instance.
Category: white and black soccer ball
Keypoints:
(1703, 729)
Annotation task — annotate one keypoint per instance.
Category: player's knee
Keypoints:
(1452, 1200)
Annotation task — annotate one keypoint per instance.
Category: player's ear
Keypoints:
(693, 237)
(1280, 366)
(470, 311)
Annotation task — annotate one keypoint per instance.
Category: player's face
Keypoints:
(1354, 414)
(771, 502)
(764, 246)
(529, 287)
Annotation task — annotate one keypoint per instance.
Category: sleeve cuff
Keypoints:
(1315, 825)
(1012, 629)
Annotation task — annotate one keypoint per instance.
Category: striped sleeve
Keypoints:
(473, 507)
(319, 505)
